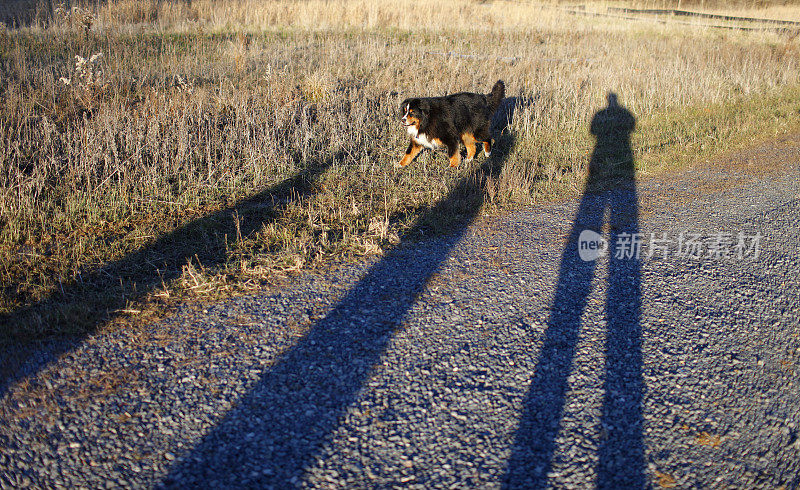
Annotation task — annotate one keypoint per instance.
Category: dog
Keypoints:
(450, 120)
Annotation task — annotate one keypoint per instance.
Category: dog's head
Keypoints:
(415, 112)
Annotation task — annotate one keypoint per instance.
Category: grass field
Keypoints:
(159, 150)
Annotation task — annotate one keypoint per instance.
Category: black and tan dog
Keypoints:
(450, 120)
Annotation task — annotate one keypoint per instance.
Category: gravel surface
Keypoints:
(493, 357)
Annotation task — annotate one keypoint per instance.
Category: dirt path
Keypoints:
(493, 357)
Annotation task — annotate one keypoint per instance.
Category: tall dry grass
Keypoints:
(193, 107)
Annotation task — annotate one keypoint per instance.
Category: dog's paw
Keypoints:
(487, 148)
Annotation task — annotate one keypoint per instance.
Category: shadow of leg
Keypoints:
(534, 442)
(621, 455)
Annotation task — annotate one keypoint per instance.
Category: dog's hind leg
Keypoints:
(455, 155)
(472, 145)
(484, 136)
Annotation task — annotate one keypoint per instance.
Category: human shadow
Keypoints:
(610, 189)
(280, 425)
(205, 240)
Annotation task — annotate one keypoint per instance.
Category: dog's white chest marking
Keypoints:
(421, 138)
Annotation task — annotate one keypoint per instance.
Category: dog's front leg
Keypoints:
(412, 151)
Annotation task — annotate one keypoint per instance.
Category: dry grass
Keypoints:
(215, 145)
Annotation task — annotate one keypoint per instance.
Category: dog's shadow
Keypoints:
(504, 115)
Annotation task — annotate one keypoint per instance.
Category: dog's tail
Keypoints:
(497, 95)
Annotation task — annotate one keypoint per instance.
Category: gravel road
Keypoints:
(494, 357)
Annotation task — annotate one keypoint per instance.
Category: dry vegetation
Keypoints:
(153, 149)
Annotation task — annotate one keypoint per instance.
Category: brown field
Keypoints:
(159, 150)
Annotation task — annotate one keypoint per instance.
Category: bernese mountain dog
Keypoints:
(446, 121)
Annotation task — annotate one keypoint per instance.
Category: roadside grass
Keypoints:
(215, 148)
(669, 141)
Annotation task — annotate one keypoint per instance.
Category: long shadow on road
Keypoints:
(610, 189)
(204, 239)
(280, 425)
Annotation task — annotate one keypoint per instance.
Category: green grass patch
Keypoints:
(667, 141)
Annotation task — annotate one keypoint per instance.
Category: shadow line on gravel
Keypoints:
(610, 190)
(203, 239)
(280, 424)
